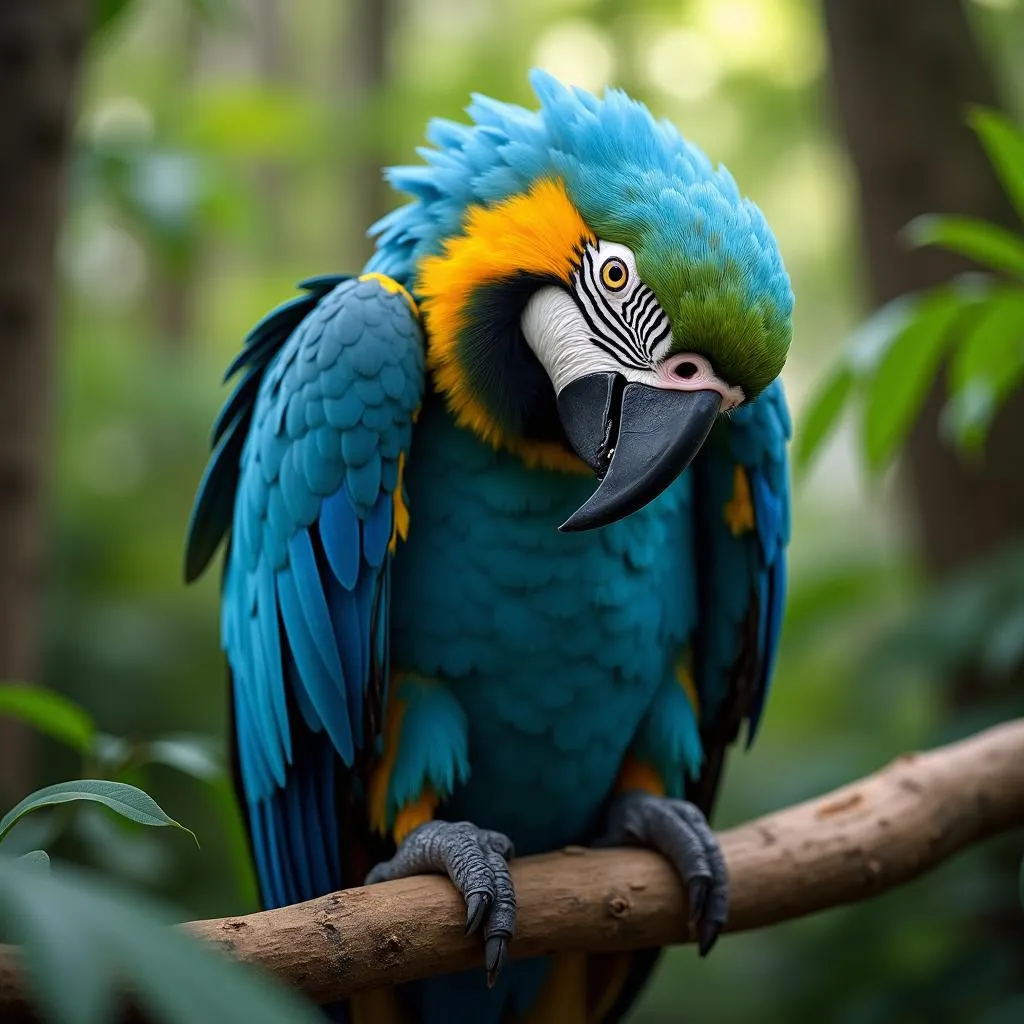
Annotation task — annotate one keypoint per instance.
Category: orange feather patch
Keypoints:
(739, 509)
(537, 232)
(636, 774)
(417, 812)
(684, 677)
(400, 526)
(381, 778)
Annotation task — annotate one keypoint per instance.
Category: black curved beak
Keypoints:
(635, 437)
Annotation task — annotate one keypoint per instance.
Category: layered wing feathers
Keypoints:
(320, 423)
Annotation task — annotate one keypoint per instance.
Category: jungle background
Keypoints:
(221, 151)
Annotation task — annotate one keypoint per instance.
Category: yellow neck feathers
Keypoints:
(537, 232)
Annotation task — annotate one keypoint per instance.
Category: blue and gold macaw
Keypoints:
(444, 643)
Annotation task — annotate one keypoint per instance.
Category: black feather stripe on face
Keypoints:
(628, 327)
(604, 318)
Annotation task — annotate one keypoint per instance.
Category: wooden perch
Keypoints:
(852, 844)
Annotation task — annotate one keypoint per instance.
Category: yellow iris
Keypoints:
(614, 274)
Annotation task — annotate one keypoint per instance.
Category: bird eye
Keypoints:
(614, 274)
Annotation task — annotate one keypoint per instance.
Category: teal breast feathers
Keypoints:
(553, 643)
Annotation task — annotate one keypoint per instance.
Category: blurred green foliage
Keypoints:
(107, 764)
(83, 939)
(209, 179)
(976, 323)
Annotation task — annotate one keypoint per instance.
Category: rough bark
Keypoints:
(850, 845)
(40, 49)
(904, 75)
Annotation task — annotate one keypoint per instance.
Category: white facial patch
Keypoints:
(624, 316)
(612, 322)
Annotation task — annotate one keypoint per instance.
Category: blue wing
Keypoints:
(741, 490)
(306, 477)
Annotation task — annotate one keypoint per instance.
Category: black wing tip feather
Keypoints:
(195, 565)
(214, 501)
(321, 284)
(269, 333)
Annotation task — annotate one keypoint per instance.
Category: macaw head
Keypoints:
(595, 293)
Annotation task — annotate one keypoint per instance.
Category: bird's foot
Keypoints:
(680, 832)
(476, 861)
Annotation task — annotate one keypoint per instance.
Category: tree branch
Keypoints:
(852, 844)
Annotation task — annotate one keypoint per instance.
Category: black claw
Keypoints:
(477, 905)
(699, 888)
(495, 957)
(708, 937)
(501, 924)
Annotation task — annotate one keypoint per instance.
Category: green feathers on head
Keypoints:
(713, 312)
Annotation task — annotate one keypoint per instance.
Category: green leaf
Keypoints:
(1004, 144)
(992, 349)
(987, 365)
(128, 801)
(906, 371)
(111, 751)
(868, 344)
(106, 12)
(966, 417)
(821, 416)
(976, 239)
(192, 755)
(50, 713)
(83, 940)
(69, 974)
(38, 860)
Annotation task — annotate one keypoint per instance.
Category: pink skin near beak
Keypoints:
(687, 371)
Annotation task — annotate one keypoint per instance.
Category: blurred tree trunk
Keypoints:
(269, 59)
(365, 68)
(176, 264)
(173, 288)
(268, 38)
(40, 49)
(904, 74)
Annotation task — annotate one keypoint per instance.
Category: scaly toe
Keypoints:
(680, 832)
(476, 862)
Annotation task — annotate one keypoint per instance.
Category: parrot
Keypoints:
(505, 519)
